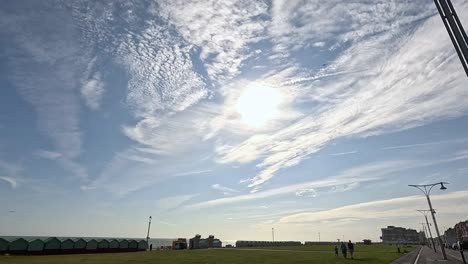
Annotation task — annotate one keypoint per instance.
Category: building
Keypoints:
(52, 245)
(367, 242)
(133, 245)
(67, 245)
(36, 246)
(399, 235)
(180, 243)
(142, 245)
(199, 243)
(450, 237)
(461, 229)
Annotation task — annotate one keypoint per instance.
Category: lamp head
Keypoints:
(442, 187)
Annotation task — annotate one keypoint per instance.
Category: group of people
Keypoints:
(345, 249)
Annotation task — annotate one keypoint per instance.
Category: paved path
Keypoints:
(408, 258)
(427, 256)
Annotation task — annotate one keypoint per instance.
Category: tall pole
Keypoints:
(455, 30)
(147, 234)
(442, 248)
(426, 189)
(425, 232)
(273, 234)
(430, 233)
(319, 237)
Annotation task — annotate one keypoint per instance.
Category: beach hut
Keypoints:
(3, 245)
(132, 245)
(123, 245)
(142, 245)
(18, 246)
(91, 245)
(103, 245)
(79, 246)
(67, 246)
(114, 245)
(52, 245)
(36, 246)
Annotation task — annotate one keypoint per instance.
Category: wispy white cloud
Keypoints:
(172, 202)
(46, 154)
(307, 193)
(444, 142)
(221, 30)
(365, 173)
(46, 64)
(343, 153)
(451, 203)
(369, 96)
(12, 181)
(92, 91)
(193, 172)
(11, 173)
(226, 190)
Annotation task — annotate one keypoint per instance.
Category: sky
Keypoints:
(229, 118)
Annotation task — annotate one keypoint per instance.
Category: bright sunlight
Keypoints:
(258, 104)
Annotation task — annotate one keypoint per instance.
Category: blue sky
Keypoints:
(228, 118)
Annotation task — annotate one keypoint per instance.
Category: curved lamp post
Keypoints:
(426, 189)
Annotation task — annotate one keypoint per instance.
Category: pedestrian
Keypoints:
(336, 251)
(343, 249)
(151, 247)
(351, 249)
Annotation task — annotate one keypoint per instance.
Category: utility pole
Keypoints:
(428, 228)
(147, 234)
(455, 30)
(426, 189)
(425, 233)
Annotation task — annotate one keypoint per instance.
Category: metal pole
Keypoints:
(436, 228)
(425, 232)
(147, 234)
(455, 30)
(430, 234)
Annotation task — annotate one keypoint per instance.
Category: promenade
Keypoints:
(425, 255)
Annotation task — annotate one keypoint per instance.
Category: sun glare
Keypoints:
(258, 104)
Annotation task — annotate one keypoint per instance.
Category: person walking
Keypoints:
(336, 251)
(344, 249)
(351, 249)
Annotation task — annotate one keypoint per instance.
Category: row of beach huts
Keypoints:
(53, 245)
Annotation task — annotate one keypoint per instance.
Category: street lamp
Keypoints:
(426, 189)
(147, 234)
(424, 212)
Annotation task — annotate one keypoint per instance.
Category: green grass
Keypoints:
(296, 254)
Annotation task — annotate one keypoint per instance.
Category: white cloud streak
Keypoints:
(365, 173)
(12, 181)
(46, 154)
(225, 190)
(172, 202)
(451, 203)
(45, 67)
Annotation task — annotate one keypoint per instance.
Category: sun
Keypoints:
(258, 104)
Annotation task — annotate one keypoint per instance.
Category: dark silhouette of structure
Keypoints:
(455, 30)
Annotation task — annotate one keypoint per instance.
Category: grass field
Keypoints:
(375, 254)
